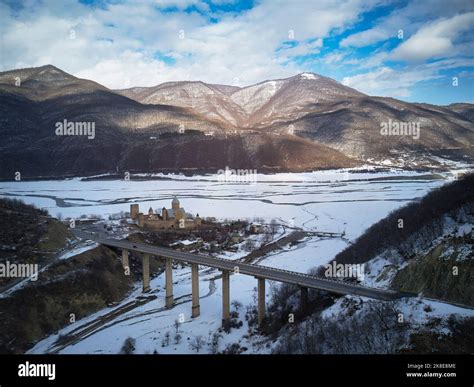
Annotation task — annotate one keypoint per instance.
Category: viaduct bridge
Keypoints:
(261, 273)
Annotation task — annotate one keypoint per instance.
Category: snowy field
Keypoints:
(332, 201)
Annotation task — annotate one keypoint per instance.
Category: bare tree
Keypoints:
(177, 335)
(166, 340)
(375, 331)
(249, 245)
(197, 343)
(128, 346)
(267, 237)
(214, 343)
(274, 226)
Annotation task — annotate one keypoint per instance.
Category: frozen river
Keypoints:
(332, 201)
(325, 201)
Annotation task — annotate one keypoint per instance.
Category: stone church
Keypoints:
(170, 218)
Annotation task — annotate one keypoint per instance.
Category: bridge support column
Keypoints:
(261, 300)
(225, 297)
(195, 311)
(304, 298)
(146, 272)
(125, 262)
(169, 282)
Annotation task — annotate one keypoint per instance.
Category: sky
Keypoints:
(417, 51)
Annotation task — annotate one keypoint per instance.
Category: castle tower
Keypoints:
(164, 213)
(150, 211)
(134, 210)
(175, 205)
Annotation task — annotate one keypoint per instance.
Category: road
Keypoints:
(258, 271)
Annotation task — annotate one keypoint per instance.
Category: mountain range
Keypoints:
(301, 123)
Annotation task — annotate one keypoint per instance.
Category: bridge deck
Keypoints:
(290, 277)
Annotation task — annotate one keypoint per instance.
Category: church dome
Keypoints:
(175, 201)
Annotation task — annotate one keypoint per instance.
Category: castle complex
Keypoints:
(171, 218)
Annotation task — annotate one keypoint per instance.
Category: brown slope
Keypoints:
(322, 111)
(209, 101)
(328, 112)
(29, 112)
(353, 127)
(45, 82)
(466, 110)
(129, 135)
(284, 99)
(248, 107)
(261, 152)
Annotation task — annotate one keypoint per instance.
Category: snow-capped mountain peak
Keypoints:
(309, 76)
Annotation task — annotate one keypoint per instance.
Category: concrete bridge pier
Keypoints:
(261, 300)
(146, 272)
(169, 282)
(125, 262)
(304, 298)
(225, 297)
(195, 311)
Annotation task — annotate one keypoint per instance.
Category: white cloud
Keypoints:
(334, 58)
(408, 19)
(385, 81)
(304, 48)
(365, 38)
(128, 70)
(120, 42)
(374, 60)
(434, 40)
(123, 45)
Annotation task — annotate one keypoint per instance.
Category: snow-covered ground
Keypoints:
(149, 323)
(415, 310)
(333, 201)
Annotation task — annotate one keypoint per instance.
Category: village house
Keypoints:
(188, 244)
(235, 237)
(256, 228)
